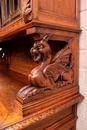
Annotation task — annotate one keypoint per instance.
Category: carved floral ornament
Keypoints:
(50, 73)
(27, 12)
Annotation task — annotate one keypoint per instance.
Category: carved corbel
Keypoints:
(50, 73)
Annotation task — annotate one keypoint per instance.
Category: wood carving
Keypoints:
(27, 12)
(32, 120)
(50, 73)
(52, 93)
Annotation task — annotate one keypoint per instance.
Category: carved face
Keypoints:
(40, 51)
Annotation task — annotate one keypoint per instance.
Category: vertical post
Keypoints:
(74, 110)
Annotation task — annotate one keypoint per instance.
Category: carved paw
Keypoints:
(29, 91)
(26, 91)
(63, 83)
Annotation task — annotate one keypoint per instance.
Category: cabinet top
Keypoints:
(57, 14)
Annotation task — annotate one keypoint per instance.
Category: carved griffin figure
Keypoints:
(50, 72)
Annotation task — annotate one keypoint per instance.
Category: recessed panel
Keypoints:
(64, 8)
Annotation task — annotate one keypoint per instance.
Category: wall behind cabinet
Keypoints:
(82, 107)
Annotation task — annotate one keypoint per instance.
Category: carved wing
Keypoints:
(60, 63)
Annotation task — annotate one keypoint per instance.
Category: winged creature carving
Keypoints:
(50, 72)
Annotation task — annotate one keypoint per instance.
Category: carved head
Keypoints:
(41, 50)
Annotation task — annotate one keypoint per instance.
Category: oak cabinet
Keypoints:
(63, 14)
(49, 31)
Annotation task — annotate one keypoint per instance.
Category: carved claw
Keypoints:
(25, 91)
(32, 93)
(21, 90)
(63, 83)
(29, 91)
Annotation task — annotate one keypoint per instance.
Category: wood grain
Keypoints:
(55, 110)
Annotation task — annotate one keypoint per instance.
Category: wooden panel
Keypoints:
(19, 58)
(51, 120)
(64, 8)
(57, 13)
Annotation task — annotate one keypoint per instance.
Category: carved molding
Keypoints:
(31, 120)
(12, 27)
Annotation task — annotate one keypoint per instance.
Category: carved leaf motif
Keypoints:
(27, 12)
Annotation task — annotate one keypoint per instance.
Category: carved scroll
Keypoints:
(27, 13)
(50, 73)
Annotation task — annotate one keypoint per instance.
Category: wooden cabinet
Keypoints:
(62, 14)
(49, 31)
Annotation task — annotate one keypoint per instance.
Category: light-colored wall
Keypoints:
(82, 107)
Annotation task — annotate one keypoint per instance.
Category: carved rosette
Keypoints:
(27, 12)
